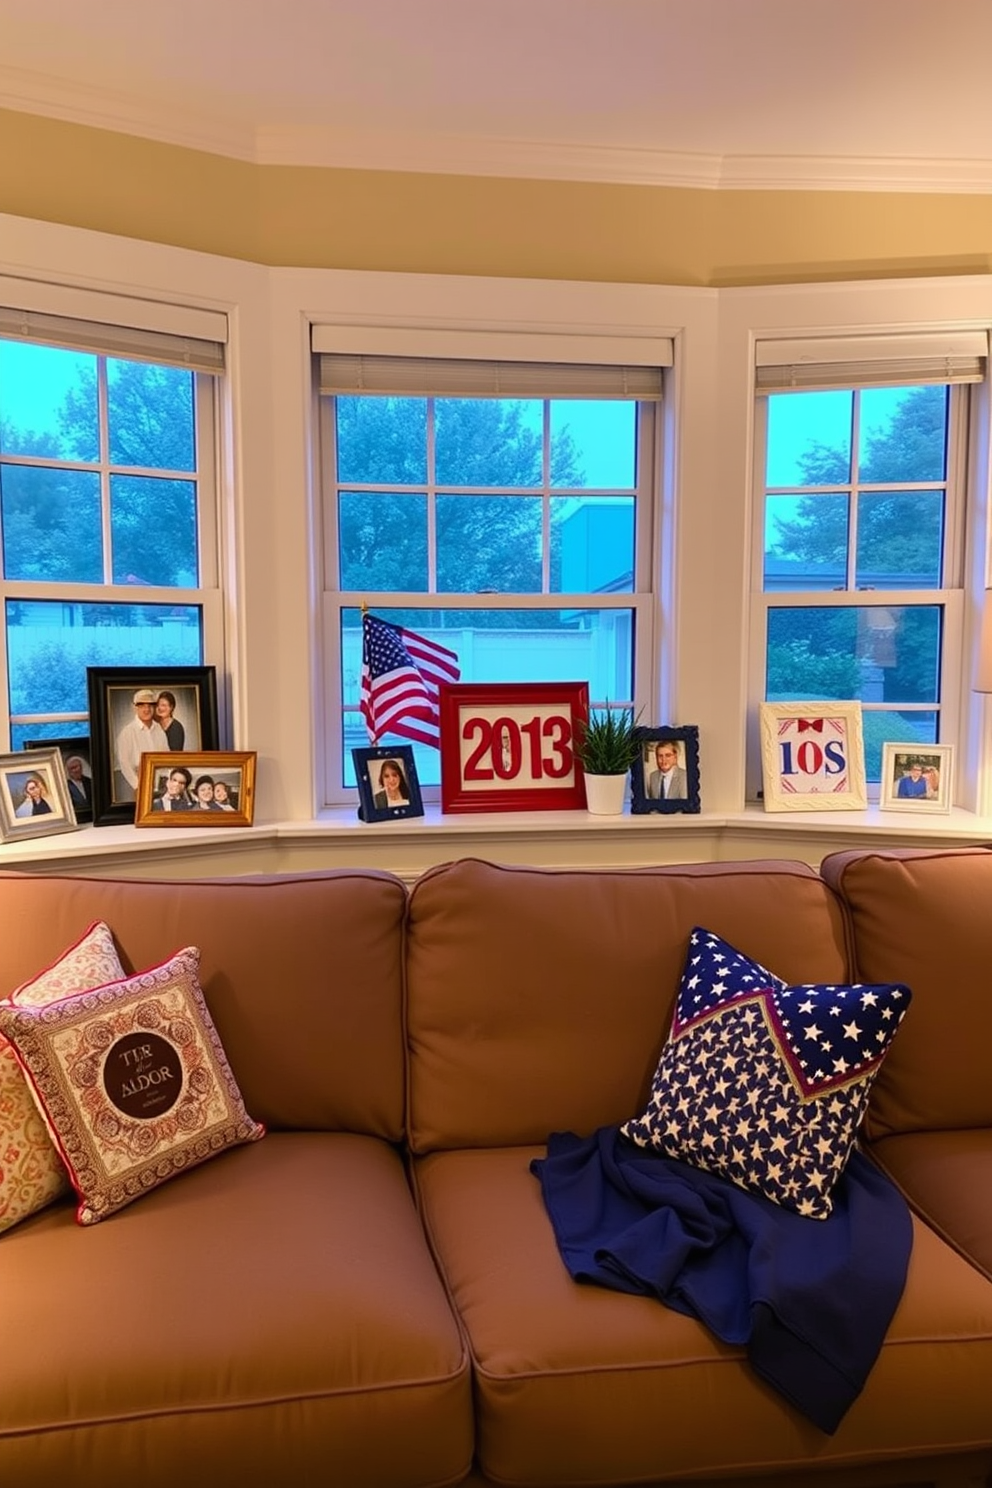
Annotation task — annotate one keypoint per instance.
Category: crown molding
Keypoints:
(328, 147)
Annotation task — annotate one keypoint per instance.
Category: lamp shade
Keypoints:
(983, 673)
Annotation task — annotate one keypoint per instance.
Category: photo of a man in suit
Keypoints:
(668, 780)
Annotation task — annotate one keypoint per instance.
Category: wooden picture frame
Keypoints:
(668, 756)
(917, 777)
(371, 765)
(75, 752)
(813, 756)
(508, 746)
(199, 804)
(114, 714)
(34, 795)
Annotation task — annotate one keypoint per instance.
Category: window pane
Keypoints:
(22, 732)
(593, 443)
(489, 543)
(809, 439)
(903, 434)
(47, 402)
(50, 645)
(51, 524)
(153, 527)
(872, 653)
(592, 544)
(806, 542)
(501, 646)
(150, 413)
(382, 440)
(488, 441)
(888, 727)
(382, 539)
(900, 534)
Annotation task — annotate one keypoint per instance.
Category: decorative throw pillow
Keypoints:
(765, 1083)
(132, 1082)
(32, 1174)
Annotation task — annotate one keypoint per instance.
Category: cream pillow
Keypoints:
(132, 1081)
(32, 1174)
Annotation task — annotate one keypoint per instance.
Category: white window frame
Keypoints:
(950, 596)
(642, 601)
(156, 333)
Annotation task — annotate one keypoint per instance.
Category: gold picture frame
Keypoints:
(182, 789)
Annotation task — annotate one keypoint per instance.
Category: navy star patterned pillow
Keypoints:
(764, 1083)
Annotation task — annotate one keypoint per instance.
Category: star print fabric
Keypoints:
(763, 1083)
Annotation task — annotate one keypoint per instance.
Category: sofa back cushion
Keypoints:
(539, 1000)
(924, 916)
(302, 975)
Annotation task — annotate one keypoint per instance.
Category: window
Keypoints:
(860, 541)
(504, 510)
(107, 510)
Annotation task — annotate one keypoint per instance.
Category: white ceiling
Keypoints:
(880, 94)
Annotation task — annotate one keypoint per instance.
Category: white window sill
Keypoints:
(336, 839)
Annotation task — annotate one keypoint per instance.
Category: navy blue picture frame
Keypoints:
(369, 763)
(685, 738)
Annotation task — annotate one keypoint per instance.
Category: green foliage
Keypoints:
(608, 744)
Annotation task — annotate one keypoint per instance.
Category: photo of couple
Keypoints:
(156, 719)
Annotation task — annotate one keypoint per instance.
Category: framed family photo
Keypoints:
(665, 776)
(75, 754)
(916, 777)
(812, 756)
(388, 788)
(146, 710)
(188, 788)
(34, 795)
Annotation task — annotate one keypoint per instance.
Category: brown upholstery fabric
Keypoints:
(302, 975)
(273, 1317)
(540, 1000)
(947, 1177)
(582, 1385)
(925, 918)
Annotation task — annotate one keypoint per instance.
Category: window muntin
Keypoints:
(105, 486)
(492, 508)
(860, 528)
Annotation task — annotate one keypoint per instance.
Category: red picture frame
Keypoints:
(507, 746)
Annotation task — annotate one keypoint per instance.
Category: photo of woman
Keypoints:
(36, 800)
(392, 786)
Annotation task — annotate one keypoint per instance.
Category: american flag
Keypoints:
(400, 675)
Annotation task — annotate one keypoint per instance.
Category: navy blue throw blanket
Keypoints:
(809, 1299)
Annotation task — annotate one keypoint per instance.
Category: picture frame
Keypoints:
(400, 767)
(75, 754)
(908, 767)
(507, 746)
(114, 719)
(206, 773)
(813, 756)
(668, 755)
(34, 795)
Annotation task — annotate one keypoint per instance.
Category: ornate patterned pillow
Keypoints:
(765, 1083)
(32, 1174)
(132, 1082)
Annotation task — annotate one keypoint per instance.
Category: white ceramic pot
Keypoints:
(605, 793)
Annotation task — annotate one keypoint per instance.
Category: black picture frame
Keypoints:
(111, 692)
(80, 784)
(685, 739)
(369, 764)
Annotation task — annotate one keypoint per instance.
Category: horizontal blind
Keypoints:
(823, 363)
(457, 377)
(195, 353)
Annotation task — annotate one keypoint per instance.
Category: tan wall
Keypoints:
(321, 218)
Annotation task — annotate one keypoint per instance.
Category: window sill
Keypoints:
(565, 839)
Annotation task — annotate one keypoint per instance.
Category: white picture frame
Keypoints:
(813, 756)
(917, 778)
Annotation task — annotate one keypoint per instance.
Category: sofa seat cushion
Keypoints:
(579, 1384)
(275, 1317)
(947, 1178)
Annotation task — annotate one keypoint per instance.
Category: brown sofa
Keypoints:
(371, 1296)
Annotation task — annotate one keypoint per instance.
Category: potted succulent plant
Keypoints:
(606, 746)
